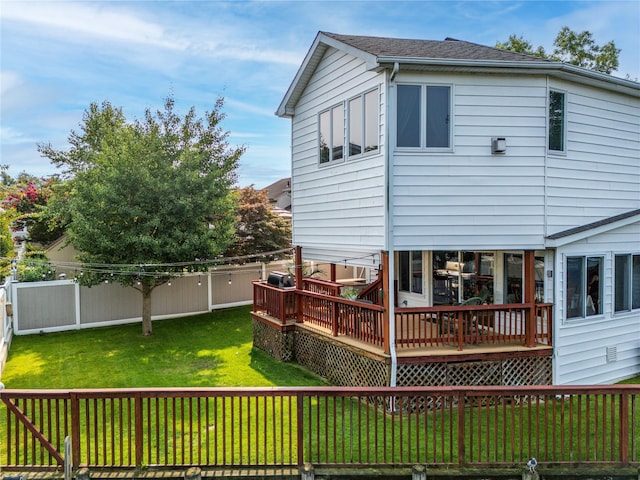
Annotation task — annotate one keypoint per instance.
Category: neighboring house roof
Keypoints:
(396, 54)
(578, 233)
(279, 193)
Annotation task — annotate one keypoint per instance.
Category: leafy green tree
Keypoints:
(148, 199)
(258, 228)
(34, 267)
(580, 49)
(520, 45)
(570, 47)
(6, 242)
(28, 196)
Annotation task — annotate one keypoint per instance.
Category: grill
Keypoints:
(280, 280)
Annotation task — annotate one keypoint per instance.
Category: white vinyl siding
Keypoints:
(467, 198)
(581, 344)
(599, 176)
(339, 206)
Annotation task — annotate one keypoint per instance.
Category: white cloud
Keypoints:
(9, 81)
(230, 103)
(11, 136)
(90, 20)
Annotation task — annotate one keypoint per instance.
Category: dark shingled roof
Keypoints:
(591, 226)
(449, 48)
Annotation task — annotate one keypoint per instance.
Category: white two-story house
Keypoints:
(465, 164)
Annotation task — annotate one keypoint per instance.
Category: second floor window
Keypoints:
(423, 116)
(332, 135)
(557, 121)
(363, 124)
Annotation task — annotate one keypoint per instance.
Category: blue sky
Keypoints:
(58, 57)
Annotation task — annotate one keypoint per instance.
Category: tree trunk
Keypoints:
(147, 329)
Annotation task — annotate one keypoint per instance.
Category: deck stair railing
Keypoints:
(335, 426)
(372, 292)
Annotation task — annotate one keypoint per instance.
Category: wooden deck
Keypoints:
(436, 353)
(478, 331)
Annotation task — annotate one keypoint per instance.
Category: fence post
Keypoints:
(75, 430)
(624, 428)
(300, 428)
(68, 458)
(83, 474)
(138, 427)
(308, 472)
(418, 472)
(193, 473)
(461, 428)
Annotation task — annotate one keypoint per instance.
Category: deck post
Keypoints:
(299, 287)
(386, 280)
(530, 321)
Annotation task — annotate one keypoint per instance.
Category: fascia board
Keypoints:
(569, 239)
(557, 69)
(309, 64)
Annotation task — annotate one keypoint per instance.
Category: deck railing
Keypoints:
(418, 327)
(472, 325)
(287, 426)
(279, 303)
(353, 318)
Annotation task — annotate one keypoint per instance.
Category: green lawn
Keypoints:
(208, 350)
(633, 380)
(215, 349)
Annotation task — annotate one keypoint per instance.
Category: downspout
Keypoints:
(390, 99)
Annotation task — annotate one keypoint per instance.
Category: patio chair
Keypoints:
(451, 323)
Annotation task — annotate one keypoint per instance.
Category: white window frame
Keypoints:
(330, 110)
(410, 273)
(423, 118)
(564, 94)
(629, 280)
(583, 293)
(363, 126)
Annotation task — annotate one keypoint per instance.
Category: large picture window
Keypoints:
(363, 124)
(627, 282)
(331, 123)
(423, 116)
(462, 276)
(557, 121)
(584, 286)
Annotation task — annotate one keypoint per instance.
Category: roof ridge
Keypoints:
(449, 48)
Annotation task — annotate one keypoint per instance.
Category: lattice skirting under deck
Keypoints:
(345, 365)
(509, 371)
(340, 364)
(278, 344)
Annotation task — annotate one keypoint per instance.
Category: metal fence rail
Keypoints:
(449, 426)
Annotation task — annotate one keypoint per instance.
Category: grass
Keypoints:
(208, 350)
(215, 349)
(633, 380)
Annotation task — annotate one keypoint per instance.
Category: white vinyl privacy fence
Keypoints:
(65, 305)
(6, 313)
